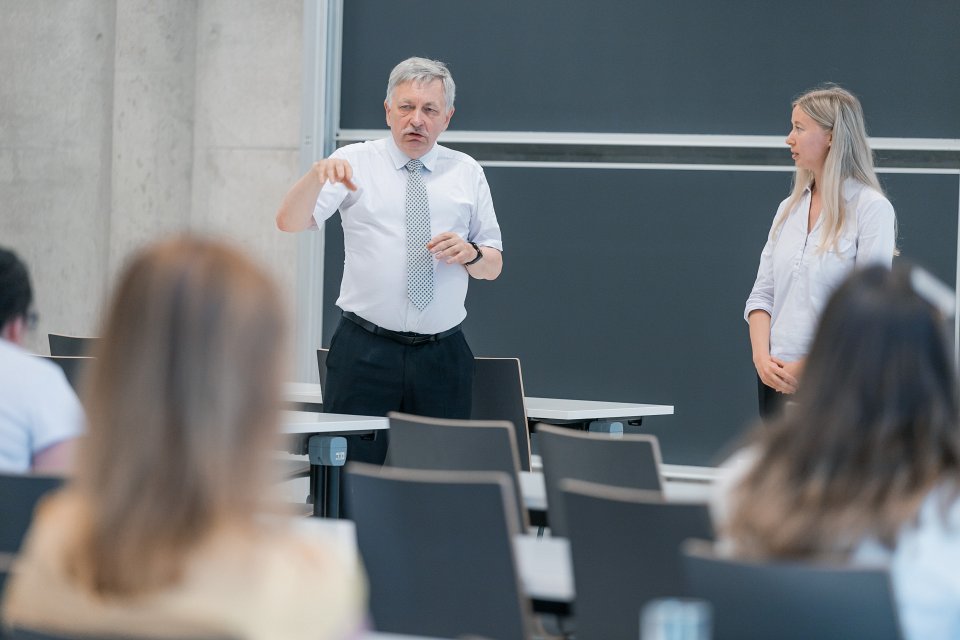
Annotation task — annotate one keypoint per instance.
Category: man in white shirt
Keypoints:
(418, 223)
(40, 415)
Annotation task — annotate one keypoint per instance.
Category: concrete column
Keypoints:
(246, 135)
(56, 108)
(123, 122)
(153, 105)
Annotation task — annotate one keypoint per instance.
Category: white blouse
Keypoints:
(795, 278)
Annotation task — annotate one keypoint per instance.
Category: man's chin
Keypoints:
(415, 148)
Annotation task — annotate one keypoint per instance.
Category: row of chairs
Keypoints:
(616, 546)
(458, 575)
(625, 544)
(624, 541)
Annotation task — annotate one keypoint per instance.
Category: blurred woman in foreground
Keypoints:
(164, 530)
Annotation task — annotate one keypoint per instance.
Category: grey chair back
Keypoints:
(791, 601)
(456, 445)
(437, 548)
(61, 345)
(630, 461)
(498, 395)
(625, 547)
(19, 495)
(73, 367)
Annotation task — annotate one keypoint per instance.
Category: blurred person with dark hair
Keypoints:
(866, 467)
(40, 416)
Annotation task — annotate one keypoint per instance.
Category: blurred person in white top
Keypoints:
(40, 415)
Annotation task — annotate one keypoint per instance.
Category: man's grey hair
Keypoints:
(421, 70)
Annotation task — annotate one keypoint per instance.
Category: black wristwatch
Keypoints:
(477, 259)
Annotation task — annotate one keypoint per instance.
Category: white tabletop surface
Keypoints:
(534, 490)
(545, 567)
(374, 635)
(562, 409)
(305, 392)
(544, 564)
(687, 473)
(312, 422)
(537, 408)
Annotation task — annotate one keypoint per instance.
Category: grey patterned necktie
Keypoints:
(419, 259)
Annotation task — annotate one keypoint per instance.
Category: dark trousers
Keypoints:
(771, 401)
(369, 374)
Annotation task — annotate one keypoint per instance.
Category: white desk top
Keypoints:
(537, 408)
(294, 422)
(303, 392)
(534, 490)
(545, 568)
(544, 564)
(375, 635)
(561, 409)
(687, 473)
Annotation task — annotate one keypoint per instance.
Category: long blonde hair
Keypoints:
(182, 402)
(839, 112)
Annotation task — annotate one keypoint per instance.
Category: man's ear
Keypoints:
(447, 121)
(14, 330)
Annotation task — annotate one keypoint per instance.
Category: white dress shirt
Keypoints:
(796, 278)
(374, 282)
(38, 408)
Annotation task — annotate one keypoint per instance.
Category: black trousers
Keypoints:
(369, 374)
(771, 401)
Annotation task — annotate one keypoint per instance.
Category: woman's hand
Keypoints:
(777, 374)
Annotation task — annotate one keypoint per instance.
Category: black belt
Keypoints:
(408, 338)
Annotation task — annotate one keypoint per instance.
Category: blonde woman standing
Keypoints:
(835, 219)
(164, 530)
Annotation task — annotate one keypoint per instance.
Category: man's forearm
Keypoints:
(489, 267)
(296, 210)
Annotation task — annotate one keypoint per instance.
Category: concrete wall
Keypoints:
(56, 120)
(121, 122)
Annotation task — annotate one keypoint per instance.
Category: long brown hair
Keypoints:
(874, 429)
(182, 401)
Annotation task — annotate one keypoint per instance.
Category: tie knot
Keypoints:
(414, 165)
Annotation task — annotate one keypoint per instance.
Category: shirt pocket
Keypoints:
(834, 263)
(451, 212)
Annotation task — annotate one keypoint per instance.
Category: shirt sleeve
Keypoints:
(59, 417)
(484, 228)
(761, 296)
(332, 195)
(876, 233)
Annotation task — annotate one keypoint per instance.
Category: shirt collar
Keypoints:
(400, 159)
(849, 189)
